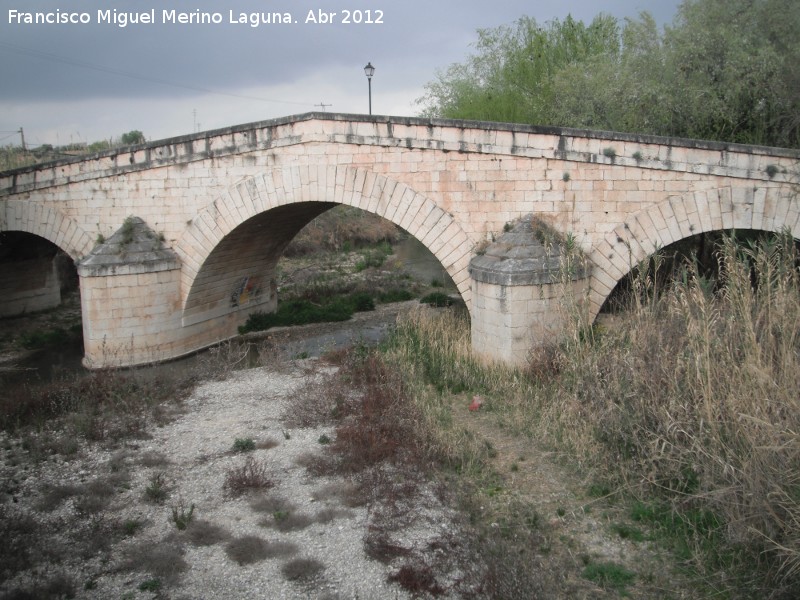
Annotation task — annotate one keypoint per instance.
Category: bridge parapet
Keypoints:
(525, 141)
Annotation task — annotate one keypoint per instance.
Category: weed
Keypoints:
(637, 156)
(131, 526)
(203, 533)
(417, 579)
(163, 560)
(627, 532)
(153, 459)
(94, 496)
(326, 515)
(610, 153)
(252, 475)
(244, 445)
(299, 569)
(150, 585)
(348, 493)
(395, 295)
(289, 521)
(303, 311)
(609, 575)
(267, 444)
(271, 504)
(379, 546)
(324, 439)
(772, 170)
(437, 300)
(157, 491)
(127, 230)
(54, 495)
(44, 339)
(566, 176)
(182, 516)
(249, 549)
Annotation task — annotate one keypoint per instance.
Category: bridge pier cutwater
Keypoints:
(176, 241)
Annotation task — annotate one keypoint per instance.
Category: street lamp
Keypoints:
(369, 71)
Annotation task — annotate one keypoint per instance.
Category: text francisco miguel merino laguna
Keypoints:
(196, 17)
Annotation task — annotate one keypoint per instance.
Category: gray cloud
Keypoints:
(74, 64)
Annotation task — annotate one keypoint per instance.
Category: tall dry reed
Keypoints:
(694, 399)
(690, 402)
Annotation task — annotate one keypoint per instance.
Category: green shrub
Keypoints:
(437, 300)
(182, 516)
(395, 295)
(302, 312)
(244, 445)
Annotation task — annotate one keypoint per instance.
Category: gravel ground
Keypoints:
(192, 455)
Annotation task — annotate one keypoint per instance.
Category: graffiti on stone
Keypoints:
(246, 291)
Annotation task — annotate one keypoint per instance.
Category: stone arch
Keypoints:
(47, 223)
(353, 186)
(678, 217)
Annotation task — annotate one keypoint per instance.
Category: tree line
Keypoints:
(726, 70)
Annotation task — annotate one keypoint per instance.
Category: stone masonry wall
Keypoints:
(451, 184)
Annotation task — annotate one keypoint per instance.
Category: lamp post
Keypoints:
(369, 71)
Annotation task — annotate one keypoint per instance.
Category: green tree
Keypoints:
(735, 70)
(511, 76)
(725, 70)
(132, 137)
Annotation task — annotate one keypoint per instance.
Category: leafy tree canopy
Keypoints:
(133, 137)
(725, 70)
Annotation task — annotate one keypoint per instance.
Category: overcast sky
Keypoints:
(67, 82)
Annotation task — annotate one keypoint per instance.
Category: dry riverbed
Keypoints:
(222, 496)
(105, 523)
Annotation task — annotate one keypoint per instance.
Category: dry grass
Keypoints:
(691, 404)
(339, 226)
(204, 533)
(103, 406)
(249, 549)
(252, 475)
(163, 560)
(302, 569)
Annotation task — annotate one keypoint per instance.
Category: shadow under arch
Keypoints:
(676, 218)
(48, 223)
(231, 247)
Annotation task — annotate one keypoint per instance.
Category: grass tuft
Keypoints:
(302, 569)
(252, 475)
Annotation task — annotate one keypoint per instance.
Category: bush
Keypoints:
(244, 445)
(303, 311)
(251, 475)
(437, 300)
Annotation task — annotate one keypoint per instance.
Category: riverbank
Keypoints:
(214, 503)
(306, 478)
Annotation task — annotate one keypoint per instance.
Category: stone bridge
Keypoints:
(176, 241)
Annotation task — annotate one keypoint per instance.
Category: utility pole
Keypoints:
(323, 105)
(22, 135)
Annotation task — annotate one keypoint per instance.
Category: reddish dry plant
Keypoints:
(375, 425)
(251, 475)
(417, 579)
